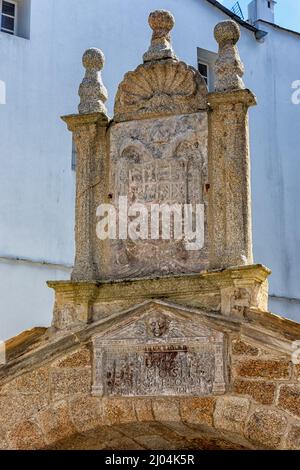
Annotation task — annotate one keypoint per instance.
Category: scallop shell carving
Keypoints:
(160, 89)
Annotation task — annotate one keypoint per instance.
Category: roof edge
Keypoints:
(277, 26)
(259, 34)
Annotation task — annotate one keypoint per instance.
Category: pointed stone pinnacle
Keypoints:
(92, 92)
(229, 69)
(161, 22)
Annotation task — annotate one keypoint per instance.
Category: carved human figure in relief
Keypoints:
(158, 325)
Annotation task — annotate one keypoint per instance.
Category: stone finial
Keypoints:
(92, 92)
(161, 22)
(229, 69)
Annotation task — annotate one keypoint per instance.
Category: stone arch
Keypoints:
(90, 423)
(52, 406)
(171, 434)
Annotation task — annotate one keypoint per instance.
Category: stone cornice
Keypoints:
(75, 121)
(217, 98)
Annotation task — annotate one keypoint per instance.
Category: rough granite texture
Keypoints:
(189, 361)
(229, 69)
(49, 405)
(161, 22)
(92, 92)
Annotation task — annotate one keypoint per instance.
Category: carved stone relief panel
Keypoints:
(159, 161)
(159, 354)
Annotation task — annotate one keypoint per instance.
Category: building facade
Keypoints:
(40, 71)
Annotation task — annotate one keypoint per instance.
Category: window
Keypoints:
(269, 4)
(15, 18)
(206, 62)
(8, 17)
(203, 69)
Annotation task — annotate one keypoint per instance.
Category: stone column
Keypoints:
(229, 215)
(89, 132)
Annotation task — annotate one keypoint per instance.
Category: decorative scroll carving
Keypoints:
(159, 355)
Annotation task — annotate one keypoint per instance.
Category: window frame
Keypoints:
(207, 81)
(4, 30)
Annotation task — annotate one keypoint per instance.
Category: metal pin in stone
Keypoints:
(161, 22)
(92, 92)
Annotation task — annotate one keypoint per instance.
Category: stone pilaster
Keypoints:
(89, 131)
(230, 230)
(73, 303)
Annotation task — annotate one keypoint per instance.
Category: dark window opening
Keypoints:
(203, 69)
(8, 17)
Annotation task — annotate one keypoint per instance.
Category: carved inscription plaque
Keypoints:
(159, 355)
(159, 161)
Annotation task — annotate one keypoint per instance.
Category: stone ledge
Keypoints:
(237, 287)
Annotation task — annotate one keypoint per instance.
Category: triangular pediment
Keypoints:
(159, 321)
(158, 349)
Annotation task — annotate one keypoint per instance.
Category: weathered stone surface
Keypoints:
(293, 438)
(97, 439)
(206, 443)
(118, 410)
(17, 345)
(154, 352)
(56, 422)
(166, 409)
(89, 133)
(162, 96)
(240, 348)
(17, 407)
(123, 444)
(80, 358)
(162, 85)
(266, 427)
(143, 409)
(297, 372)
(230, 413)
(26, 436)
(159, 161)
(267, 369)
(74, 302)
(262, 392)
(86, 413)
(168, 346)
(68, 382)
(197, 410)
(230, 232)
(289, 398)
(161, 22)
(3, 443)
(34, 382)
(92, 92)
(194, 291)
(229, 69)
(155, 443)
